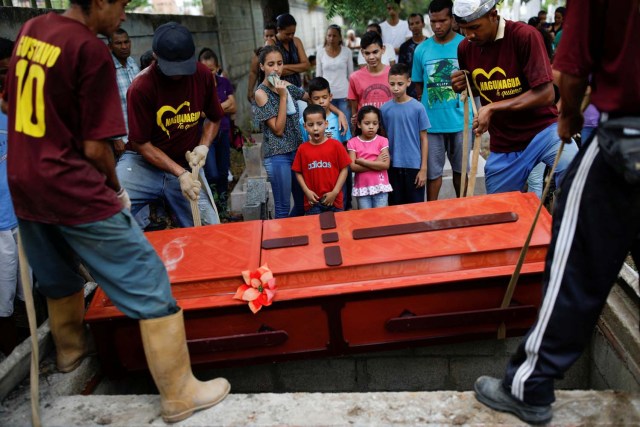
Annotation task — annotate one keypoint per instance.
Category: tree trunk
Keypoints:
(272, 8)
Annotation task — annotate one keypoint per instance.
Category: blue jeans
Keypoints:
(379, 200)
(284, 184)
(117, 254)
(535, 182)
(10, 283)
(146, 183)
(343, 105)
(216, 168)
(509, 171)
(318, 208)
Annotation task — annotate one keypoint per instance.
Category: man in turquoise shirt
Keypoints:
(433, 62)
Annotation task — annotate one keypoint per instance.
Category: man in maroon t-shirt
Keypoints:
(167, 105)
(64, 110)
(596, 219)
(509, 70)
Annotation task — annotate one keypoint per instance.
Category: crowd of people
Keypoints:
(416, 161)
(374, 124)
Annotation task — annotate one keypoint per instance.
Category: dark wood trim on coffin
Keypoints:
(237, 342)
(410, 322)
(285, 242)
(434, 225)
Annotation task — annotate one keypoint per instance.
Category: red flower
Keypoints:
(259, 288)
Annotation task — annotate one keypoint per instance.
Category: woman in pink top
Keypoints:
(369, 152)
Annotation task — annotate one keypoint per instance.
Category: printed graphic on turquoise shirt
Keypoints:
(439, 82)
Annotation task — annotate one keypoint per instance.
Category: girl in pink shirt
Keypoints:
(369, 152)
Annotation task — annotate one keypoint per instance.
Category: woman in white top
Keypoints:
(334, 63)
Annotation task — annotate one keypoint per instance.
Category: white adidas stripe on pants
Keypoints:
(558, 264)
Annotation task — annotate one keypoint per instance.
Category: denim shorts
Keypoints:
(379, 200)
(449, 144)
(116, 253)
(10, 285)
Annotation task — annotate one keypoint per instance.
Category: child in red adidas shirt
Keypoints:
(321, 165)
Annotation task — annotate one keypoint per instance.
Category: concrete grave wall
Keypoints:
(139, 26)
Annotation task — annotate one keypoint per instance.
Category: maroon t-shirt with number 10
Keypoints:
(61, 89)
(506, 68)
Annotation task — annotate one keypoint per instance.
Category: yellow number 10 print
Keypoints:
(30, 99)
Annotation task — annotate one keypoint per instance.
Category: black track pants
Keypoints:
(595, 224)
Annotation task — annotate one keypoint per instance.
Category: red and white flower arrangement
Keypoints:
(258, 289)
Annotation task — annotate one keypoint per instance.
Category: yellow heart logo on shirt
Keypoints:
(480, 71)
(168, 108)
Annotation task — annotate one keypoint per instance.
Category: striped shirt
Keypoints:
(124, 77)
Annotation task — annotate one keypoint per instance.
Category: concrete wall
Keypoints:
(240, 27)
(615, 347)
(139, 26)
(240, 32)
(441, 367)
(312, 24)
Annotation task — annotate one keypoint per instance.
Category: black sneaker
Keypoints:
(490, 392)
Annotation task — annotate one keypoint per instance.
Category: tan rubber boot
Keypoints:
(66, 316)
(165, 346)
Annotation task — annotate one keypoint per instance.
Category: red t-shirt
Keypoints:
(61, 89)
(168, 112)
(506, 68)
(320, 166)
(602, 38)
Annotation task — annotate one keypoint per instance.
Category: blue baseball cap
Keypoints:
(174, 49)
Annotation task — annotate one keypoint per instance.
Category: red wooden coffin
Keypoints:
(350, 282)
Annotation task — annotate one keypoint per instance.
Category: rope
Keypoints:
(195, 210)
(205, 185)
(33, 330)
(471, 185)
(508, 295)
(465, 145)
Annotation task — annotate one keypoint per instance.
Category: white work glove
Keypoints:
(190, 187)
(198, 156)
(123, 197)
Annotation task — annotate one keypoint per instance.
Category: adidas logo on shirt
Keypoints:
(319, 164)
